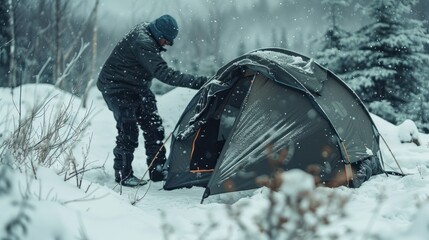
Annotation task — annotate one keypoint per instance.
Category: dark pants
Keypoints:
(131, 110)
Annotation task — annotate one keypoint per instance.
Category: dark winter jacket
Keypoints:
(135, 61)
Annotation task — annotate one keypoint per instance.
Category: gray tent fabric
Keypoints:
(309, 73)
(270, 110)
(271, 120)
(350, 119)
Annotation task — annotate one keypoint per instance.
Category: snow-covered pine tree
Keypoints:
(386, 58)
(331, 43)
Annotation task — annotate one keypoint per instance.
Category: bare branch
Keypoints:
(82, 30)
(42, 69)
(72, 62)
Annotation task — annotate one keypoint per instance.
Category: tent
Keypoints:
(270, 110)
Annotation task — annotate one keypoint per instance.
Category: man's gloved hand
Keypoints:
(200, 81)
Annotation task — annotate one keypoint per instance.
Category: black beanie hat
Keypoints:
(164, 27)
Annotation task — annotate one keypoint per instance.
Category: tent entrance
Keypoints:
(211, 137)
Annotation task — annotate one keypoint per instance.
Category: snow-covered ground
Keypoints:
(46, 207)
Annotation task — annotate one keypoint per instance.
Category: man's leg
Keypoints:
(153, 132)
(126, 142)
(124, 112)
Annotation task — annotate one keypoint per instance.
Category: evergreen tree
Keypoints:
(386, 58)
(331, 44)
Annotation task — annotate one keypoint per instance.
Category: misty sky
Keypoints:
(299, 17)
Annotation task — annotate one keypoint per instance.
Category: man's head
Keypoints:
(164, 29)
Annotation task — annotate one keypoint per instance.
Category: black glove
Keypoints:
(200, 81)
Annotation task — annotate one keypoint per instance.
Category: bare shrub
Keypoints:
(45, 136)
(31, 145)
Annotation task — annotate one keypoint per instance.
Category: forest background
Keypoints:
(380, 48)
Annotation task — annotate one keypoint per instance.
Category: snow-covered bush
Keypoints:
(408, 132)
(293, 208)
(299, 210)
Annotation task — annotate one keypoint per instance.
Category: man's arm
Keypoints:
(152, 60)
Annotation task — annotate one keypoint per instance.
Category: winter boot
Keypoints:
(129, 181)
(157, 172)
(123, 169)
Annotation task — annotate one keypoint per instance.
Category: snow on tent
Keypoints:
(272, 109)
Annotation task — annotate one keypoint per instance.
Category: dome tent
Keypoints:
(272, 104)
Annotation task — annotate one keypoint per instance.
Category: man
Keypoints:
(124, 82)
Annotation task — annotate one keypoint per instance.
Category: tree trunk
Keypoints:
(94, 40)
(12, 59)
(93, 55)
(57, 62)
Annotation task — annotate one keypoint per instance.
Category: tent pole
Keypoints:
(144, 174)
(349, 167)
(397, 163)
(379, 152)
(205, 195)
(156, 155)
